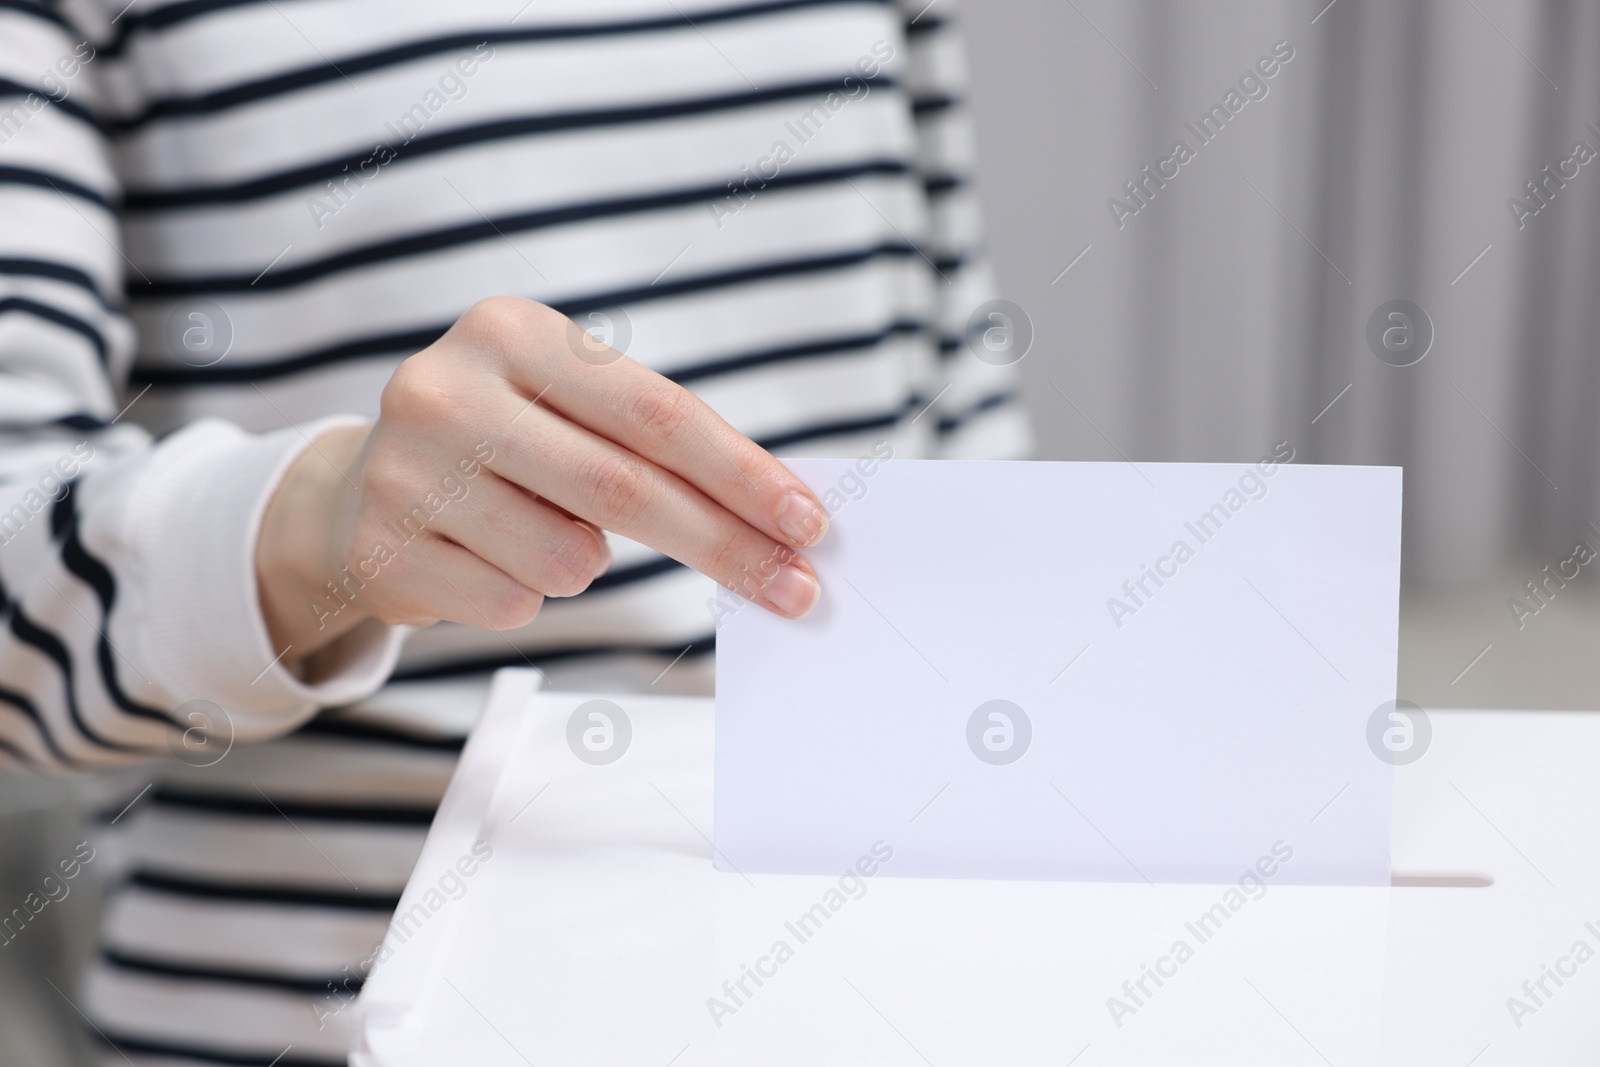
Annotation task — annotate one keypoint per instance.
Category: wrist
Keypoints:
(299, 551)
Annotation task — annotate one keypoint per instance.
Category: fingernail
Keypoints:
(793, 592)
(605, 557)
(801, 520)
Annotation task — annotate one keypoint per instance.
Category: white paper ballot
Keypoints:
(1098, 671)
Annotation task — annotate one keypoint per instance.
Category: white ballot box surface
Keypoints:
(594, 927)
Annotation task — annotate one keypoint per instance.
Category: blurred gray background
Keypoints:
(1230, 312)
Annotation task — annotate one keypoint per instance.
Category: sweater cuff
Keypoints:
(195, 525)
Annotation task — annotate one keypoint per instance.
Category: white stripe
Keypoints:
(295, 940)
(225, 1016)
(270, 850)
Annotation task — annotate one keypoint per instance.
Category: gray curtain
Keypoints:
(1232, 308)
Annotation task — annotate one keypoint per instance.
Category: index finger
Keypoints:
(648, 414)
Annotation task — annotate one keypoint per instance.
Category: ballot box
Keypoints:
(568, 909)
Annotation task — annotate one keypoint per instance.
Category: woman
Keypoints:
(290, 308)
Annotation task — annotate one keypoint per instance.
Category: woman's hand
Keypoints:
(501, 453)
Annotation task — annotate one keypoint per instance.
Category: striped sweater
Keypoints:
(223, 223)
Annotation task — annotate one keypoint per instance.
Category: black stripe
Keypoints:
(255, 893)
(18, 267)
(347, 729)
(37, 637)
(837, 428)
(833, 346)
(210, 1054)
(482, 229)
(395, 345)
(55, 316)
(950, 345)
(17, 755)
(940, 184)
(169, 15)
(925, 23)
(97, 576)
(929, 105)
(637, 572)
(258, 806)
(117, 807)
(341, 67)
(66, 103)
(502, 129)
(185, 10)
(54, 649)
(950, 423)
(826, 347)
(320, 985)
(737, 276)
(43, 180)
(81, 421)
(404, 344)
(483, 665)
(27, 707)
(174, 14)
(166, 16)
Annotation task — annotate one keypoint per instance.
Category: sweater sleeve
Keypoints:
(129, 621)
(979, 412)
